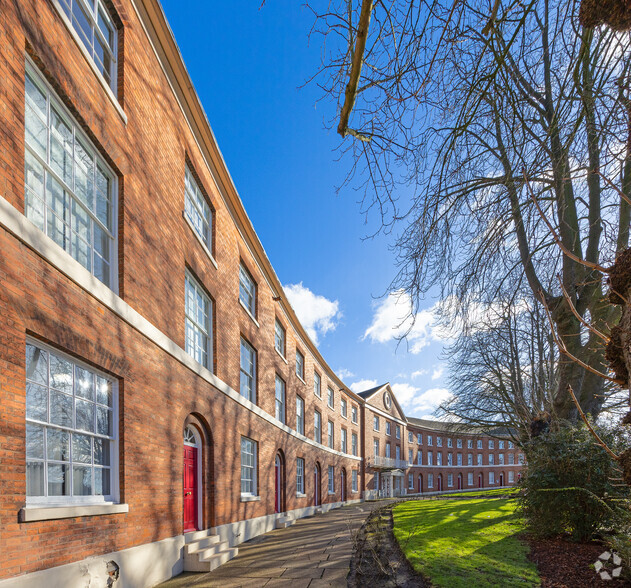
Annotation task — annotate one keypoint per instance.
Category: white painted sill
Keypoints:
(199, 239)
(281, 355)
(250, 498)
(88, 57)
(300, 495)
(49, 513)
(301, 379)
(331, 493)
(248, 311)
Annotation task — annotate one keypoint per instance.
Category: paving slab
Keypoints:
(315, 551)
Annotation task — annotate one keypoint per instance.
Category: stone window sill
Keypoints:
(250, 498)
(49, 513)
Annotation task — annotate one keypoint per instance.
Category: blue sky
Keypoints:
(249, 67)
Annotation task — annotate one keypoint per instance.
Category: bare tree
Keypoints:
(496, 137)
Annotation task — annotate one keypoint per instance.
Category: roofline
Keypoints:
(152, 15)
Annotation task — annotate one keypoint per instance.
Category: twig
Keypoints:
(578, 316)
(612, 185)
(556, 238)
(589, 426)
(489, 25)
(563, 349)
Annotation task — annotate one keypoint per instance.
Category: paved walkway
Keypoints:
(313, 552)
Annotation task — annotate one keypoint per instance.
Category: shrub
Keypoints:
(570, 486)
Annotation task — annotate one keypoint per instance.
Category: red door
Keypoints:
(420, 484)
(480, 481)
(440, 482)
(277, 486)
(501, 479)
(190, 488)
(459, 482)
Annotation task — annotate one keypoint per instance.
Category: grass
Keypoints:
(481, 492)
(465, 543)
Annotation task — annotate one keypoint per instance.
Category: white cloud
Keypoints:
(419, 373)
(317, 314)
(404, 392)
(427, 402)
(343, 373)
(437, 373)
(362, 385)
(393, 319)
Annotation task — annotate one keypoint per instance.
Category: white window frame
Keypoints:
(300, 475)
(280, 338)
(330, 397)
(469, 443)
(74, 201)
(439, 441)
(375, 447)
(430, 441)
(198, 211)
(331, 480)
(280, 399)
(192, 324)
(388, 428)
(343, 407)
(469, 459)
(93, 8)
(501, 444)
(430, 480)
(511, 459)
(53, 501)
(450, 459)
(354, 413)
(491, 444)
(459, 459)
(491, 478)
(419, 439)
(354, 447)
(397, 431)
(500, 459)
(244, 376)
(439, 458)
(450, 480)
(250, 481)
(247, 290)
(411, 456)
(330, 434)
(479, 443)
(511, 477)
(479, 459)
(317, 384)
(343, 440)
(300, 365)
(388, 449)
(430, 458)
(491, 459)
(354, 484)
(375, 423)
(317, 426)
(450, 442)
(470, 479)
(300, 415)
(410, 481)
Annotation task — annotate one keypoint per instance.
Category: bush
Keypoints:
(570, 486)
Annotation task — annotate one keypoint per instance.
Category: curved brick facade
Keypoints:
(148, 130)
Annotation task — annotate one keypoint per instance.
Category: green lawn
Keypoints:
(465, 543)
(483, 492)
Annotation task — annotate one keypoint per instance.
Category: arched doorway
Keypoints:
(317, 477)
(480, 481)
(279, 483)
(343, 485)
(502, 479)
(420, 483)
(459, 481)
(191, 478)
(440, 482)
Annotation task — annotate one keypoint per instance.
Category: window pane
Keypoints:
(101, 451)
(35, 478)
(36, 402)
(102, 481)
(60, 374)
(36, 132)
(85, 415)
(57, 445)
(60, 409)
(61, 147)
(84, 382)
(34, 441)
(103, 391)
(82, 448)
(84, 175)
(82, 23)
(104, 421)
(36, 365)
(58, 480)
(81, 481)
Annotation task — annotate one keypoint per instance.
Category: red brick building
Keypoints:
(160, 402)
